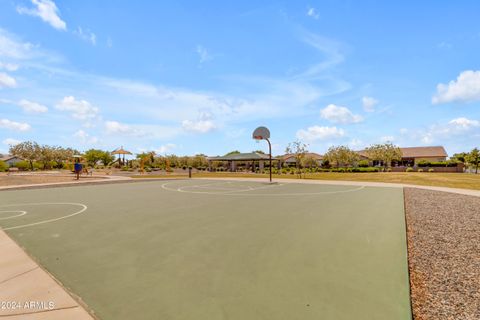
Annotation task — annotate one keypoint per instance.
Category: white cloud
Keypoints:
(442, 132)
(12, 48)
(312, 12)
(369, 104)
(338, 114)
(7, 81)
(84, 138)
(356, 143)
(11, 142)
(32, 107)
(465, 88)
(12, 125)
(165, 148)
(200, 126)
(80, 109)
(8, 66)
(114, 127)
(203, 54)
(331, 49)
(403, 131)
(319, 133)
(464, 123)
(47, 11)
(385, 139)
(86, 35)
(203, 124)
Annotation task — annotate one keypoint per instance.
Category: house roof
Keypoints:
(316, 156)
(241, 157)
(6, 157)
(417, 152)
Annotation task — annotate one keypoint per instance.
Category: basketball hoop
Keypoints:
(262, 133)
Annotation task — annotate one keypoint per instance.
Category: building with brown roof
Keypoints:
(291, 160)
(411, 156)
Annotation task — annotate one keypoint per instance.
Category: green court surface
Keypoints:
(203, 249)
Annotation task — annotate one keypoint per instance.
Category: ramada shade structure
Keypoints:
(247, 158)
(120, 151)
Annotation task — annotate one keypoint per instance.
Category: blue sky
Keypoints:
(197, 77)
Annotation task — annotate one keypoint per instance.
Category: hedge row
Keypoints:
(437, 164)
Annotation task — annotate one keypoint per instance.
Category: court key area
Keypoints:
(211, 249)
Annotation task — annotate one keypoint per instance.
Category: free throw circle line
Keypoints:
(242, 192)
(84, 207)
(22, 213)
(182, 189)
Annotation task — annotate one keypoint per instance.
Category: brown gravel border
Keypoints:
(443, 231)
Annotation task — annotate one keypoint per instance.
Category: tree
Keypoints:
(233, 152)
(460, 157)
(341, 156)
(386, 153)
(474, 158)
(199, 161)
(28, 150)
(60, 155)
(93, 156)
(258, 151)
(309, 162)
(299, 150)
(171, 162)
(46, 156)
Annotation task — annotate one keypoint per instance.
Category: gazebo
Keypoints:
(120, 151)
(249, 159)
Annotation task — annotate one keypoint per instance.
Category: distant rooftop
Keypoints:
(251, 156)
(418, 152)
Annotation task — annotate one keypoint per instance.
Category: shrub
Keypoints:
(409, 169)
(363, 163)
(431, 170)
(420, 170)
(22, 165)
(3, 166)
(124, 168)
(389, 169)
(367, 169)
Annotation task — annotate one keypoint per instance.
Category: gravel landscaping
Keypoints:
(443, 232)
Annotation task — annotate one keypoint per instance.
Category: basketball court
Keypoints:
(219, 249)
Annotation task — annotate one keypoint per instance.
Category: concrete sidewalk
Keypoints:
(28, 292)
(85, 181)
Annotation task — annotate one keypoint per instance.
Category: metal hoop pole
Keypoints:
(270, 157)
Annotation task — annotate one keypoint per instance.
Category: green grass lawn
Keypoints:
(452, 180)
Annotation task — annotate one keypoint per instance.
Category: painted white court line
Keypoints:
(22, 213)
(241, 192)
(214, 186)
(84, 207)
